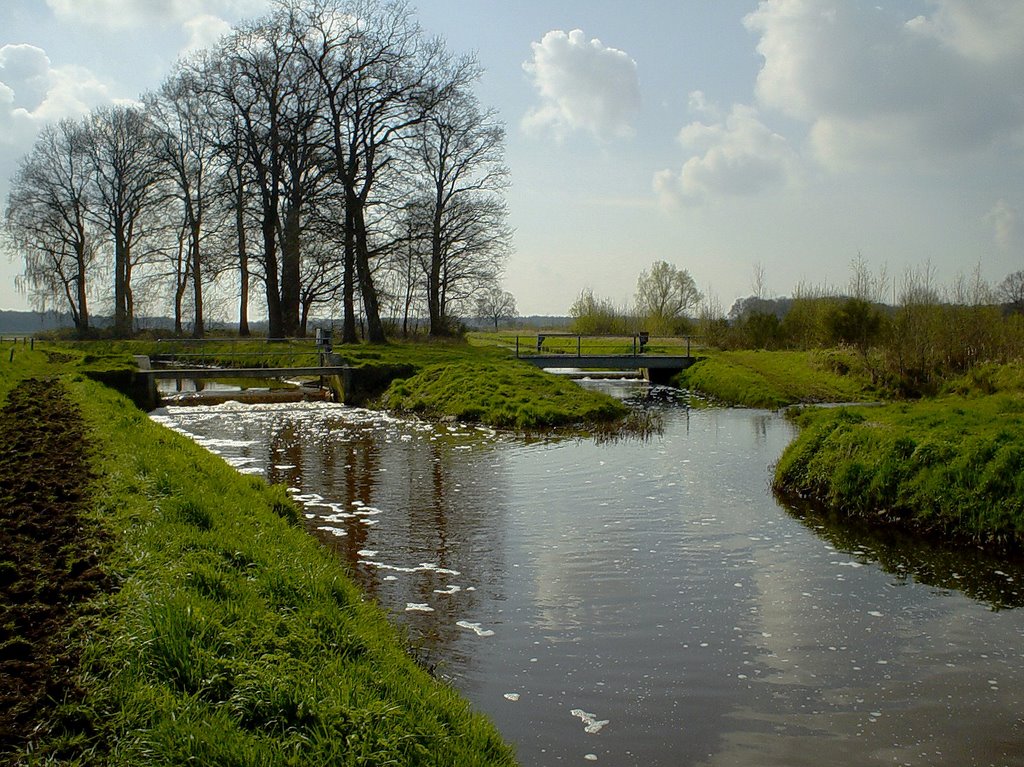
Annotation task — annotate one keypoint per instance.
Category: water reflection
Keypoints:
(993, 578)
(651, 585)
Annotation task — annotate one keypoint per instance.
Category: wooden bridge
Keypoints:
(571, 350)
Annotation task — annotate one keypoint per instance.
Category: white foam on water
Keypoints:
(591, 724)
(418, 607)
(367, 553)
(449, 590)
(475, 628)
(335, 531)
(512, 696)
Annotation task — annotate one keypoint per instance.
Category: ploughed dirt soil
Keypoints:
(48, 557)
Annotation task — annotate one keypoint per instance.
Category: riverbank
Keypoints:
(440, 380)
(774, 380)
(220, 632)
(952, 465)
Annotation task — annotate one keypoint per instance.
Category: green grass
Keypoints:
(478, 382)
(952, 465)
(501, 394)
(777, 379)
(233, 637)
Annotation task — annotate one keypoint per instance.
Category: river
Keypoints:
(648, 601)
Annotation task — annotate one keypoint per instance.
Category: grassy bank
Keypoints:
(500, 393)
(479, 383)
(952, 465)
(231, 637)
(777, 379)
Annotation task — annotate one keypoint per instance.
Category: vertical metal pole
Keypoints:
(634, 344)
(688, 346)
(517, 347)
(578, 337)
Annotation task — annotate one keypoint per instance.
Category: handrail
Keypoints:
(623, 345)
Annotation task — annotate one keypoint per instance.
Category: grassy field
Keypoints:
(952, 465)
(777, 379)
(230, 636)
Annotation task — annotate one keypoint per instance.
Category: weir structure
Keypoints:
(585, 352)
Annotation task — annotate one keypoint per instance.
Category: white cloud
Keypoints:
(876, 87)
(1003, 220)
(737, 156)
(127, 14)
(204, 31)
(33, 92)
(583, 85)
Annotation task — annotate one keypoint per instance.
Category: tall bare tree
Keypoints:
(375, 70)
(459, 151)
(186, 144)
(47, 220)
(126, 173)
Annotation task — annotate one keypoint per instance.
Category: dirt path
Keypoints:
(48, 562)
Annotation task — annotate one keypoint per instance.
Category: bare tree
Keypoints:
(495, 305)
(375, 71)
(125, 185)
(1011, 291)
(459, 149)
(186, 144)
(47, 220)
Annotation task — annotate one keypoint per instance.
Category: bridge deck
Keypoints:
(195, 373)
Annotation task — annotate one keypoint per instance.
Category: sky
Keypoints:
(730, 138)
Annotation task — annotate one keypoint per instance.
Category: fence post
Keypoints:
(578, 343)
(517, 347)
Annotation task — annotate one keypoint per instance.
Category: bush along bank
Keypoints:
(231, 636)
(953, 465)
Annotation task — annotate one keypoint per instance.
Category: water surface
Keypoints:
(649, 602)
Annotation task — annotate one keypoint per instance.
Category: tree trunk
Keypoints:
(290, 273)
(122, 326)
(243, 257)
(275, 325)
(371, 309)
(434, 307)
(348, 288)
(198, 330)
(83, 309)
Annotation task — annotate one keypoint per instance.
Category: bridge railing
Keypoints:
(582, 345)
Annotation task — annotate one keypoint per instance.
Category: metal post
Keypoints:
(688, 346)
(517, 347)
(634, 344)
(578, 337)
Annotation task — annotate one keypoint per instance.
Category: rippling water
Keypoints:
(649, 602)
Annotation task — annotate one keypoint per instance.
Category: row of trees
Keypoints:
(909, 333)
(330, 151)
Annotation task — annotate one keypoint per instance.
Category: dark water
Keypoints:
(649, 602)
